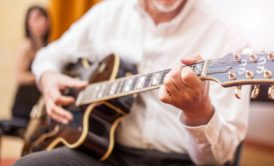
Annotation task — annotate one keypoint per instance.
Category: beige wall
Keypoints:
(12, 14)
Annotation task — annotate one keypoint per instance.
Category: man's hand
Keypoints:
(184, 90)
(51, 84)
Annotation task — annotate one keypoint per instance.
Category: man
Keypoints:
(203, 123)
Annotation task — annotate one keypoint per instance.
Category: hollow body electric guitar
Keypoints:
(108, 98)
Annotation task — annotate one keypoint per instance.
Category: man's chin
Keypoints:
(166, 6)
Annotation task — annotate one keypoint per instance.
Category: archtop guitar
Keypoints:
(108, 98)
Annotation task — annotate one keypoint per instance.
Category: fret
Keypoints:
(197, 68)
(88, 90)
(120, 86)
(140, 82)
(147, 80)
(135, 79)
(113, 88)
(100, 90)
(107, 88)
(128, 83)
(156, 79)
(91, 91)
(163, 75)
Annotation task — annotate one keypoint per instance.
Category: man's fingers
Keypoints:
(64, 100)
(57, 118)
(191, 60)
(164, 95)
(58, 113)
(74, 83)
(189, 78)
(65, 115)
(174, 77)
(59, 99)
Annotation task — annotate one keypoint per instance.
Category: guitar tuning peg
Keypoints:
(249, 74)
(270, 56)
(271, 92)
(237, 57)
(232, 76)
(253, 57)
(255, 91)
(238, 92)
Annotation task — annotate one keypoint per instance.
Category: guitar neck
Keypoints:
(234, 69)
(128, 85)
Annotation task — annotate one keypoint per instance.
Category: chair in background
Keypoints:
(14, 127)
(237, 156)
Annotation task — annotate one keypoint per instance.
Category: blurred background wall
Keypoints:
(12, 14)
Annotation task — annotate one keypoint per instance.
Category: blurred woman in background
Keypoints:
(37, 30)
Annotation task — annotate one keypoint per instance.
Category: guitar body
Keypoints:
(93, 126)
(101, 105)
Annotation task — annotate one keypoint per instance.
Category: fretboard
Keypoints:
(127, 85)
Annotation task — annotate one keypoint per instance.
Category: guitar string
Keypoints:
(218, 62)
(147, 77)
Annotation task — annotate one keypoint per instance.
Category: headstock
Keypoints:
(236, 69)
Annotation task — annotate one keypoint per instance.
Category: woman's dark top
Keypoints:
(26, 97)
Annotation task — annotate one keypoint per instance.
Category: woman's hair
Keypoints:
(27, 28)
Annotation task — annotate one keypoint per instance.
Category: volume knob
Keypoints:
(237, 57)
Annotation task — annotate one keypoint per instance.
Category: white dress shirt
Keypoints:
(123, 27)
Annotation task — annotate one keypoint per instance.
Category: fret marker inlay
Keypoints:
(141, 82)
(127, 86)
(156, 79)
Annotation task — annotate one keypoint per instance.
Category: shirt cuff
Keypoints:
(39, 70)
(205, 133)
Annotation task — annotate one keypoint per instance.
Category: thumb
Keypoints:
(191, 60)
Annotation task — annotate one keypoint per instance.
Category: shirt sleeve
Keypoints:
(75, 43)
(216, 141)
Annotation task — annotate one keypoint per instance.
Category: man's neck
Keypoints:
(161, 17)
